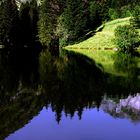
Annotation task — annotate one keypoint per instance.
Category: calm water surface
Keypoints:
(94, 125)
(69, 97)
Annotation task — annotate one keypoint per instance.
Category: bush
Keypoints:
(126, 38)
(113, 14)
(122, 12)
(126, 11)
(135, 20)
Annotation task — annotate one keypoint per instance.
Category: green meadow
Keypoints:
(101, 48)
(103, 38)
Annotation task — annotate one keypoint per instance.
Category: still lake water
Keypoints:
(69, 97)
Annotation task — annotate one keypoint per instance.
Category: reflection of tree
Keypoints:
(128, 64)
(19, 102)
(69, 84)
(75, 83)
(17, 68)
(66, 83)
(18, 112)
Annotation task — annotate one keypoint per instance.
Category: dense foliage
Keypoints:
(135, 20)
(48, 23)
(126, 38)
(57, 22)
(8, 22)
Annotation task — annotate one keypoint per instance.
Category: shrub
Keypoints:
(135, 20)
(113, 14)
(126, 38)
(122, 12)
(126, 11)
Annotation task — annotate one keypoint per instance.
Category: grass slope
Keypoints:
(102, 39)
(100, 46)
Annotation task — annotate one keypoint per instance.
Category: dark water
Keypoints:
(68, 97)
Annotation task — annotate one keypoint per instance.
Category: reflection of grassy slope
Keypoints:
(105, 58)
(102, 39)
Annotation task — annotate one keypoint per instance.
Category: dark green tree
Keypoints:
(25, 23)
(74, 19)
(47, 24)
(8, 22)
(94, 19)
(28, 22)
(34, 11)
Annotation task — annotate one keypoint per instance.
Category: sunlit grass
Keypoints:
(102, 39)
(110, 26)
(100, 46)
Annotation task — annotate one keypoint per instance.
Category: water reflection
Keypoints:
(68, 84)
(18, 80)
(126, 108)
(128, 64)
(128, 82)
(72, 82)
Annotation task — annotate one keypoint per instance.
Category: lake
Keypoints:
(68, 97)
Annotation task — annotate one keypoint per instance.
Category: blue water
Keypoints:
(94, 125)
(69, 97)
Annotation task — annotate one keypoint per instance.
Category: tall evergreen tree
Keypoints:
(34, 19)
(8, 22)
(47, 24)
(28, 22)
(94, 19)
(74, 18)
(25, 23)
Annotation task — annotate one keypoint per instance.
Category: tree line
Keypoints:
(55, 23)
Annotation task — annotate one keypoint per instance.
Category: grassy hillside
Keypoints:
(100, 47)
(102, 39)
